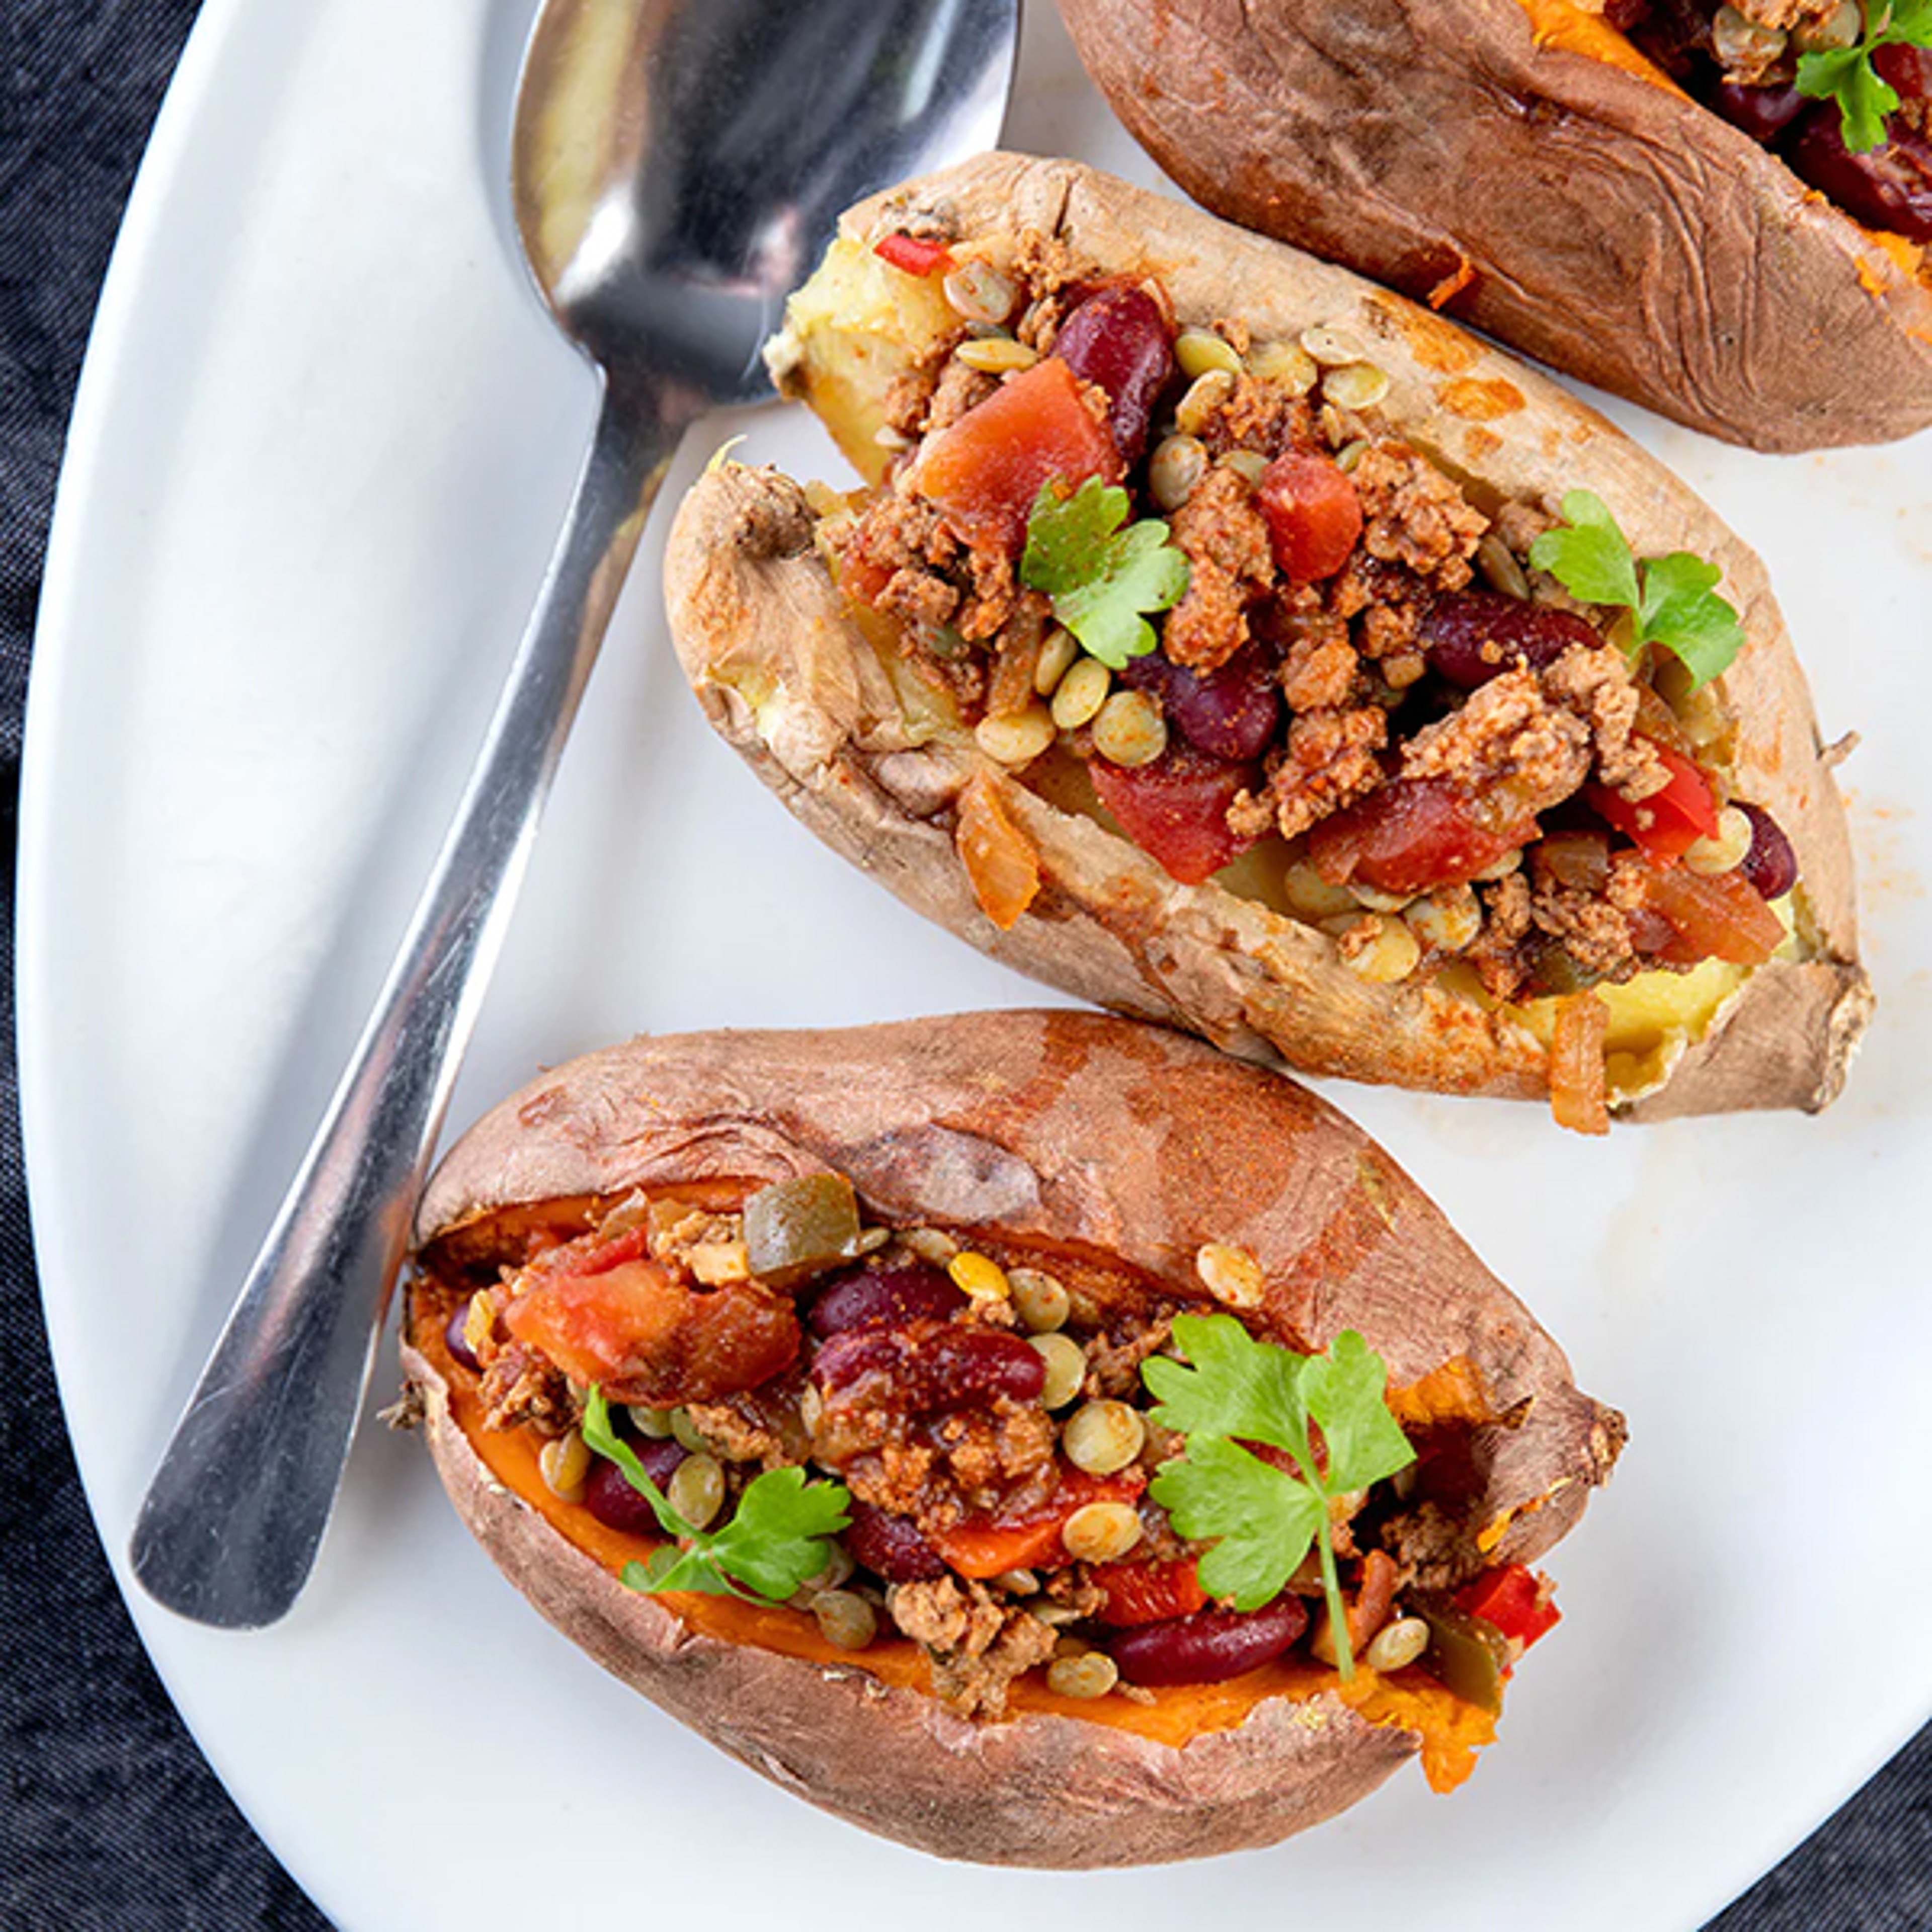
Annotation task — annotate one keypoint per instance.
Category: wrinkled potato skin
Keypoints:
(1607, 224)
(752, 608)
(1081, 1129)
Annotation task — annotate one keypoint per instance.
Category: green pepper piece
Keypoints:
(795, 1229)
(1467, 1655)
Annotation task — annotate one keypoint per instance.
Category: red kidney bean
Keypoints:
(1472, 635)
(925, 1366)
(891, 1546)
(1119, 338)
(1209, 1646)
(896, 1294)
(609, 1497)
(1231, 713)
(457, 1342)
(1762, 113)
(1908, 69)
(1771, 866)
(1889, 188)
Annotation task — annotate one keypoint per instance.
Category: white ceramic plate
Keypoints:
(324, 439)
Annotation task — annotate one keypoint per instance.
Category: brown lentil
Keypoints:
(1065, 1368)
(696, 1490)
(564, 1462)
(1397, 1645)
(845, 1619)
(1093, 1674)
(1041, 1298)
(1101, 1532)
(1103, 1437)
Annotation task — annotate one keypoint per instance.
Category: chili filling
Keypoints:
(1367, 708)
(983, 1404)
(1742, 61)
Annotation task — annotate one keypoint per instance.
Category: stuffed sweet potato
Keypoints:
(875, 1402)
(1210, 645)
(1661, 211)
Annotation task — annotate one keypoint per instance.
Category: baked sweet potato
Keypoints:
(1339, 869)
(1521, 165)
(1094, 1181)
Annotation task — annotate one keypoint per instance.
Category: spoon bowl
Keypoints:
(677, 166)
(666, 224)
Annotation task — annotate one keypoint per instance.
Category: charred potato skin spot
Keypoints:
(1395, 137)
(770, 649)
(1125, 1140)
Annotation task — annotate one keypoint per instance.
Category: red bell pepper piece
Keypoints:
(1517, 1601)
(1669, 822)
(915, 254)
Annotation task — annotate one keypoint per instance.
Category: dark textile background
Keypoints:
(110, 1820)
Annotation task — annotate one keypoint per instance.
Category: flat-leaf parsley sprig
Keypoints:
(1100, 577)
(1672, 599)
(777, 1538)
(1259, 1520)
(1866, 99)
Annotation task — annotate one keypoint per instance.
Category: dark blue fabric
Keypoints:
(110, 1821)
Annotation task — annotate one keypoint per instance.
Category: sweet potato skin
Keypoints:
(1084, 1129)
(1590, 214)
(785, 677)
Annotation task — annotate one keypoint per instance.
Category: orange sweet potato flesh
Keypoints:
(1517, 159)
(1115, 1146)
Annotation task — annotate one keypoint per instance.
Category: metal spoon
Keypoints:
(678, 166)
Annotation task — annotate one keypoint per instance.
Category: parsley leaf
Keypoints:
(1262, 1520)
(1682, 612)
(1345, 1391)
(1673, 598)
(1587, 555)
(1100, 577)
(778, 1535)
(1846, 75)
(776, 1539)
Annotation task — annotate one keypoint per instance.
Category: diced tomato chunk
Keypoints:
(1668, 823)
(980, 1549)
(862, 579)
(1517, 1601)
(607, 1314)
(1148, 1593)
(1411, 836)
(985, 471)
(1176, 809)
(915, 254)
(1720, 917)
(1314, 515)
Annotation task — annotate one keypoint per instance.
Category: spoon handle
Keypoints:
(229, 1529)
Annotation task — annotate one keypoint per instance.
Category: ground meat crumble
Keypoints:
(977, 1643)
